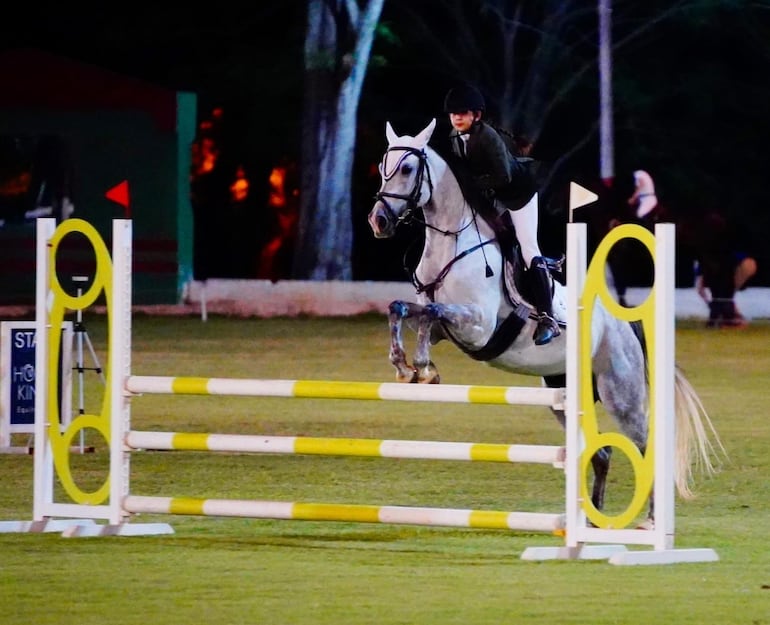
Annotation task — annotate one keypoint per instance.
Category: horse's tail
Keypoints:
(698, 447)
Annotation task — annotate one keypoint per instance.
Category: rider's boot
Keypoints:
(540, 281)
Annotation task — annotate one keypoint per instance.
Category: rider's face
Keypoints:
(462, 122)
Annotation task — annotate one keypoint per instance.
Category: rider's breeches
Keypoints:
(525, 222)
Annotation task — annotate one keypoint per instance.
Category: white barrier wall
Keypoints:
(290, 298)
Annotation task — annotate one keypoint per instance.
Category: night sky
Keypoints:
(249, 59)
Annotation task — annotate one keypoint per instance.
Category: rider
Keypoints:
(505, 181)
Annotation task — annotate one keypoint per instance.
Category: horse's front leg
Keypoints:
(455, 318)
(425, 370)
(397, 312)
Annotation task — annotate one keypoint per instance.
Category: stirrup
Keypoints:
(556, 268)
(547, 329)
(555, 264)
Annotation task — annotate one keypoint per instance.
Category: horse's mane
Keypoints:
(468, 186)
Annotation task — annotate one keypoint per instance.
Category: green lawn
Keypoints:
(232, 571)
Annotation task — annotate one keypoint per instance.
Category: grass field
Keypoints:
(232, 571)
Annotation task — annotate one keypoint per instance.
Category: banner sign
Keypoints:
(17, 378)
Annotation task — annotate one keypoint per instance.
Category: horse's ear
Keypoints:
(423, 138)
(390, 134)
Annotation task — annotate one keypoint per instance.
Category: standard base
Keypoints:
(16, 449)
(48, 525)
(665, 556)
(586, 552)
(619, 555)
(123, 529)
(28, 450)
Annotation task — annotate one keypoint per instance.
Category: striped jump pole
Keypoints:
(359, 447)
(353, 513)
(324, 389)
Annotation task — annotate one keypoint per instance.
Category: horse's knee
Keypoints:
(433, 312)
(398, 309)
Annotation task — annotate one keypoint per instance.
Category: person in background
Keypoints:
(726, 313)
(509, 186)
(644, 200)
(722, 268)
(644, 209)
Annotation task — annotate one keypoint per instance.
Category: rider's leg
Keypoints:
(540, 281)
(525, 222)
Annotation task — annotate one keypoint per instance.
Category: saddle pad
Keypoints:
(559, 298)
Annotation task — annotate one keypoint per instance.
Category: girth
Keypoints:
(502, 338)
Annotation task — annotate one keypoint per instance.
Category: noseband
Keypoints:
(413, 198)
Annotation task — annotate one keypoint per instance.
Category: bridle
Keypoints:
(412, 203)
(413, 197)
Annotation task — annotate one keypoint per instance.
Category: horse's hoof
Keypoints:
(647, 524)
(407, 378)
(429, 375)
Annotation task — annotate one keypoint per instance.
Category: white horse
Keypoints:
(464, 296)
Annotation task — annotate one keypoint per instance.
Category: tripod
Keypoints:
(82, 338)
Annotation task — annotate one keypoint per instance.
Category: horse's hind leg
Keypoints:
(397, 312)
(627, 404)
(600, 462)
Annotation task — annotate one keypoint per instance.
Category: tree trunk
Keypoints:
(337, 48)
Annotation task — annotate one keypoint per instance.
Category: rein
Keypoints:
(431, 287)
(412, 200)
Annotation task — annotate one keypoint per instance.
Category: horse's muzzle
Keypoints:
(381, 222)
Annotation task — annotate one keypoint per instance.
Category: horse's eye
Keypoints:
(406, 169)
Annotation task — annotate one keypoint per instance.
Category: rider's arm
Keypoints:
(495, 166)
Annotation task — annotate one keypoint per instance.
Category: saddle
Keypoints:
(513, 262)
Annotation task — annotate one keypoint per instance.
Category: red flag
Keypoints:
(119, 195)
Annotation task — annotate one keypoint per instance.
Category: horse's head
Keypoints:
(406, 183)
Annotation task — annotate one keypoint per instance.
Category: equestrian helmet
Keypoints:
(464, 98)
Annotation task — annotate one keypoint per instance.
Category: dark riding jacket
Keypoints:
(496, 172)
